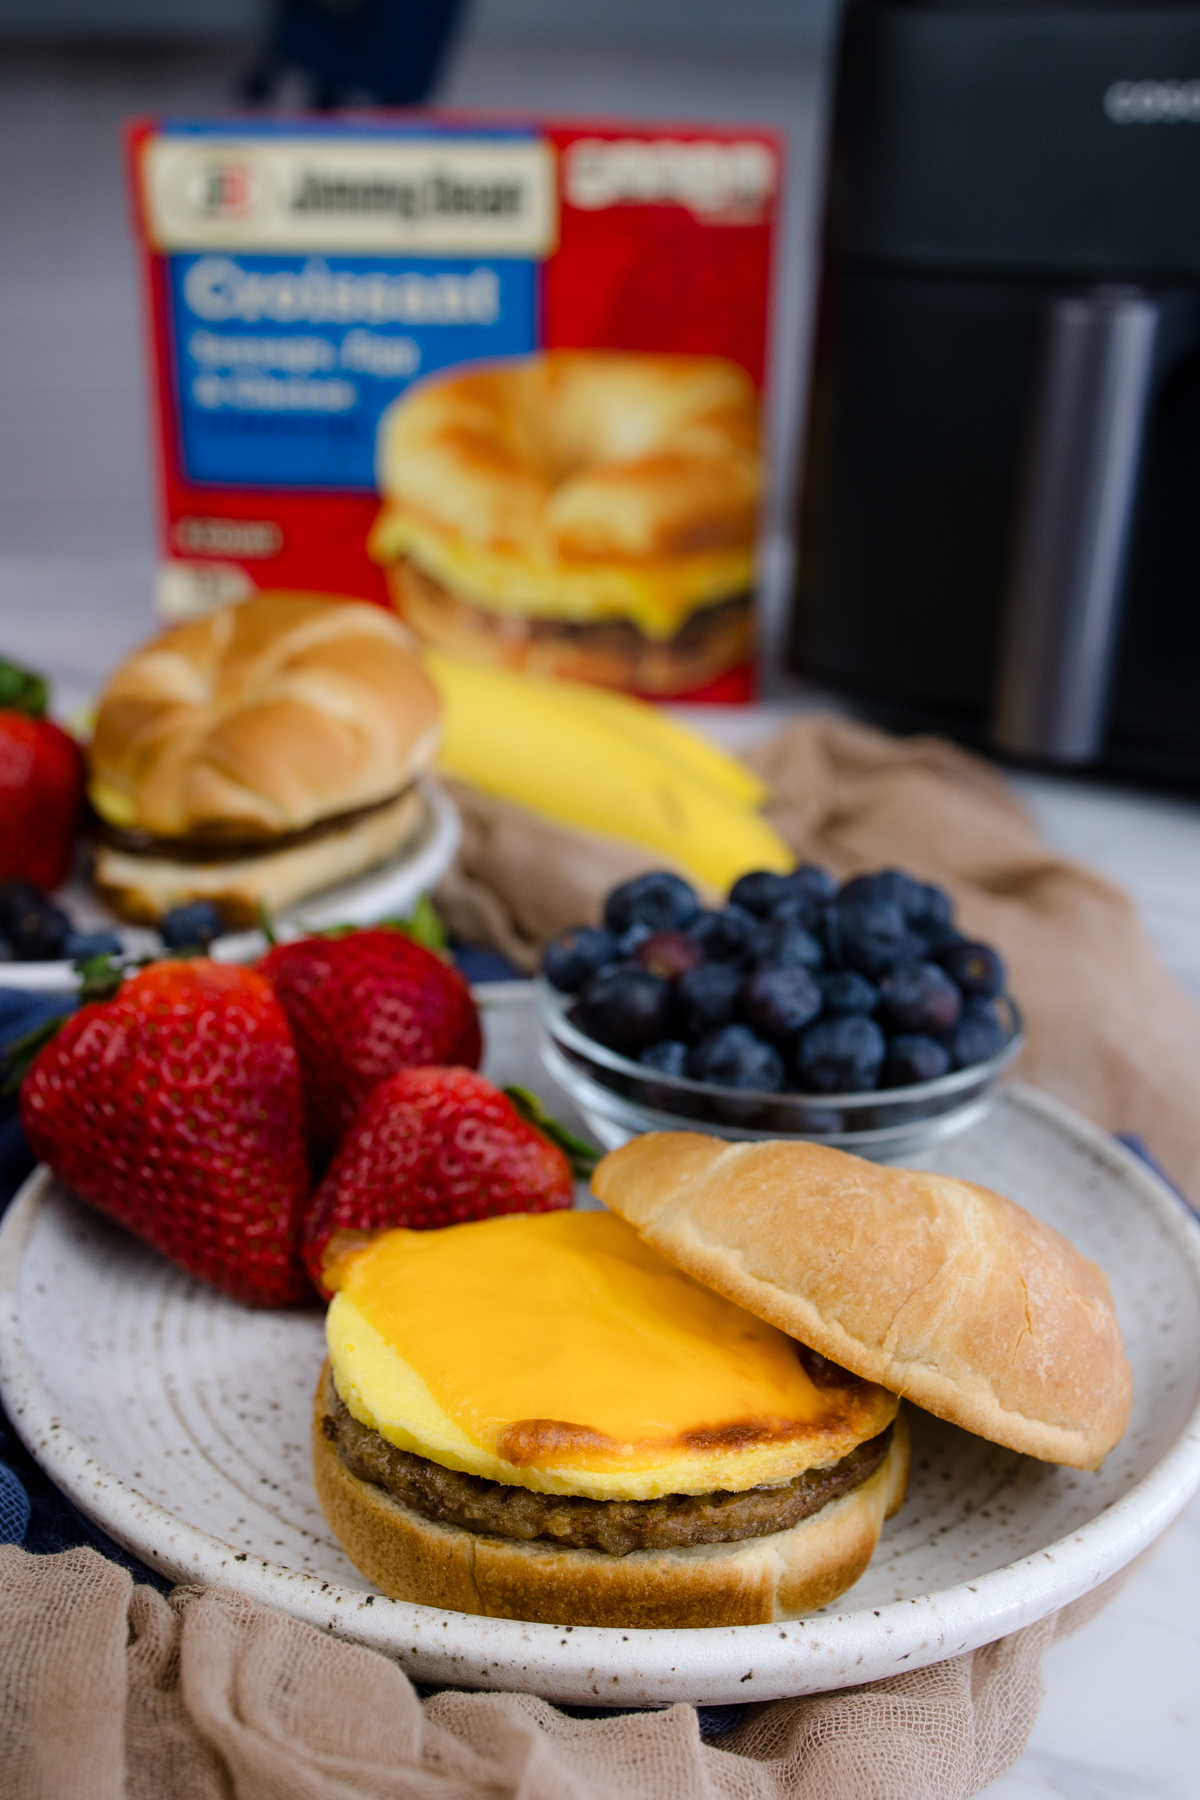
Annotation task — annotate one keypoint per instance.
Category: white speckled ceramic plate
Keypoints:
(179, 1422)
(389, 890)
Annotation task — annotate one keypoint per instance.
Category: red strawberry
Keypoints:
(360, 1008)
(41, 784)
(175, 1108)
(432, 1147)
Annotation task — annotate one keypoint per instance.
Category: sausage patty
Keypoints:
(617, 1526)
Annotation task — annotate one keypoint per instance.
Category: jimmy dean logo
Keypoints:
(438, 196)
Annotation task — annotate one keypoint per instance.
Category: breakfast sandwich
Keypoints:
(685, 1411)
(587, 514)
(258, 755)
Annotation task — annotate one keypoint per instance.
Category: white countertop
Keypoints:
(1121, 1719)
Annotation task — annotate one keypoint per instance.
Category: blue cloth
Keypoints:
(484, 965)
(14, 1507)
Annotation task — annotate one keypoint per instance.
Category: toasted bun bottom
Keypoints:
(613, 653)
(754, 1582)
(142, 888)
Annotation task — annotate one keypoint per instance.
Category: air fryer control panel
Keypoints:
(1049, 137)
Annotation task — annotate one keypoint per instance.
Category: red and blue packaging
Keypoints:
(309, 281)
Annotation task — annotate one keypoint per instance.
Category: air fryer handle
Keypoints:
(1101, 353)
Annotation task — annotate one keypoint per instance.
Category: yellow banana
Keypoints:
(695, 755)
(545, 745)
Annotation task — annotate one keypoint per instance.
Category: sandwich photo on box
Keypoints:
(540, 343)
(586, 514)
(259, 755)
(686, 1410)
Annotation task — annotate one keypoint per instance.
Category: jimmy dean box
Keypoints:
(504, 377)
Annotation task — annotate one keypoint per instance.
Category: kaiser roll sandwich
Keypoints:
(258, 755)
(688, 1415)
(582, 513)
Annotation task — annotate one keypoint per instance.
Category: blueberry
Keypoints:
(706, 997)
(777, 1002)
(979, 1034)
(722, 935)
(846, 991)
(30, 922)
(936, 910)
(911, 1058)
(814, 883)
(573, 957)
(624, 1007)
(976, 968)
(842, 1055)
(759, 891)
(659, 899)
(733, 1057)
(935, 940)
(866, 933)
(637, 934)
(668, 1056)
(81, 944)
(797, 909)
(918, 996)
(785, 944)
(197, 923)
(888, 884)
(669, 954)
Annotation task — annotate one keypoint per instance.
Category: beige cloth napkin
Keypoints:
(110, 1692)
(1110, 1031)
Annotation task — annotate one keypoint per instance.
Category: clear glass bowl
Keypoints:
(621, 1098)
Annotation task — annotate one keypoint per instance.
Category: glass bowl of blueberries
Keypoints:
(853, 1014)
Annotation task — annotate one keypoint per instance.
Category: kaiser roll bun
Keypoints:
(262, 719)
(938, 1289)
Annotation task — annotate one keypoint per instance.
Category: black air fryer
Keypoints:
(1000, 525)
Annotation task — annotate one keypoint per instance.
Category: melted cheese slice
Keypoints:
(557, 1352)
(659, 596)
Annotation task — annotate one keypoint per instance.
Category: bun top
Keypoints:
(577, 485)
(265, 717)
(940, 1290)
(581, 454)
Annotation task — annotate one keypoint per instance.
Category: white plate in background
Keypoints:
(389, 890)
(179, 1422)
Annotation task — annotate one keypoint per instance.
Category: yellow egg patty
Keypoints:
(557, 1352)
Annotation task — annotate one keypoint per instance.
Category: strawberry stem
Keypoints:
(266, 924)
(424, 926)
(21, 690)
(99, 977)
(581, 1155)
